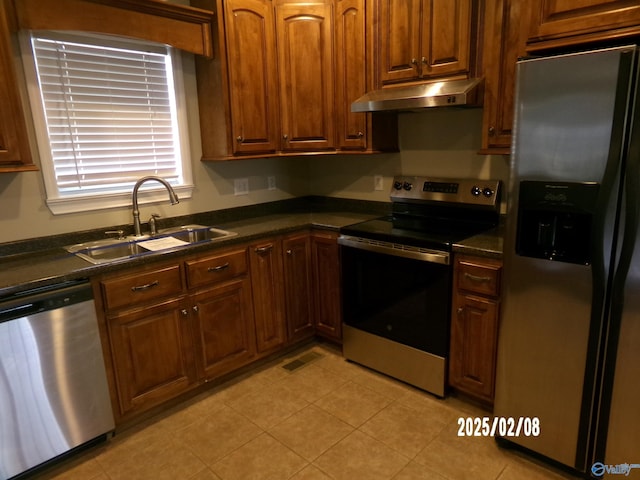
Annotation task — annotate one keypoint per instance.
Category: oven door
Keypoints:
(397, 292)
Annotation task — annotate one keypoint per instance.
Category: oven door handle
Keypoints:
(387, 248)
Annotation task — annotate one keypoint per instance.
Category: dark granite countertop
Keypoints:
(45, 262)
(25, 265)
(487, 244)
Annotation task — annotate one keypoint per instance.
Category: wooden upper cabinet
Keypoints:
(306, 71)
(424, 39)
(399, 40)
(15, 153)
(253, 77)
(504, 42)
(446, 37)
(563, 23)
(351, 72)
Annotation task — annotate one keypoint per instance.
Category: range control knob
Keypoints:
(407, 186)
(397, 185)
(476, 190)
(487, 192)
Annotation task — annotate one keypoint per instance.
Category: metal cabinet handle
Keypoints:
(146, 286)
(218, 268)
(289, 252)
(285, 136)
(424, 60)
(184, 312)
(195, 308)
(460, 310)
(476, 278)
(266, 249)
(239, 138)
(414, 61)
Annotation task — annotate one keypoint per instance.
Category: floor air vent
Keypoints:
(301, 361)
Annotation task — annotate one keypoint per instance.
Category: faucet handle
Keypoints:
(152, 223)
(120, 233)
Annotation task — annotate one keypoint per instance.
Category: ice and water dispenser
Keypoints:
(555, 220)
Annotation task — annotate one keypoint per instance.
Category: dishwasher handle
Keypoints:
(43, 299)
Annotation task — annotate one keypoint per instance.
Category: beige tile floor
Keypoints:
(329, 419)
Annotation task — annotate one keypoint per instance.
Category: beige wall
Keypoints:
(436, 142)
(440, 142)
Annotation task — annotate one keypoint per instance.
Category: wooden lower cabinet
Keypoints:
(152, 354)
(223, 328)
(325, 265)
(173, 327)
(265, 263)
(297, 286)
(169, 327)
(474, 326)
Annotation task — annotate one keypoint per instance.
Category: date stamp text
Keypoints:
(498, 426)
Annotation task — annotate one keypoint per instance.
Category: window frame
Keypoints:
(153, 191)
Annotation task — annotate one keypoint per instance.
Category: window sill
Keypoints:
(61, 206)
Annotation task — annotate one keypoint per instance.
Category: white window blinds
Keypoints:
(110, 110)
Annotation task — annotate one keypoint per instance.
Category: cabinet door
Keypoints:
(152, 354)
(446, 38)
(579, 21)
(297, 286)
(351, 72)
(224, 333)
(327, 307)
(398, 40)
(474, 332)
(15, 154)
(265, 264)
(253, 87)
(305, 63)
(504, 42)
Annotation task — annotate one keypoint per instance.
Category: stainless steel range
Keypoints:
(397, 276)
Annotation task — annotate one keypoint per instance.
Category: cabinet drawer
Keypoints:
(479, 277)
(142, 287)
(216, 268)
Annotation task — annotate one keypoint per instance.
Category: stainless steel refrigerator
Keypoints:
(569, 340)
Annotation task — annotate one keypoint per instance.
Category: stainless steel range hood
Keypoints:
(416, 97)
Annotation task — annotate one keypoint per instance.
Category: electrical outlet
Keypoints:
(271, 182)
(378, 182)
(241, 186)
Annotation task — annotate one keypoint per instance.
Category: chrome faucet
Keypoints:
(173, 198)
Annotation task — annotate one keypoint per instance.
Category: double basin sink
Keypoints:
(170, 239)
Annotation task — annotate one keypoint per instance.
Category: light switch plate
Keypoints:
(378, 182)
(271, 182)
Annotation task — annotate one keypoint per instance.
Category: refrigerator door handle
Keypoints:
(602, 274)
(630, 225)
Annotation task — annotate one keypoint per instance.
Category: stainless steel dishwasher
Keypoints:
(53, 387)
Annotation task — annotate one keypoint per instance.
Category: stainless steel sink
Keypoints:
(103, 251)
(113, 249)
(196, 233)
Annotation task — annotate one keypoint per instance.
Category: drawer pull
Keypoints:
(476, 278)
(266, 249)
(146, 286)
(218, 268)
